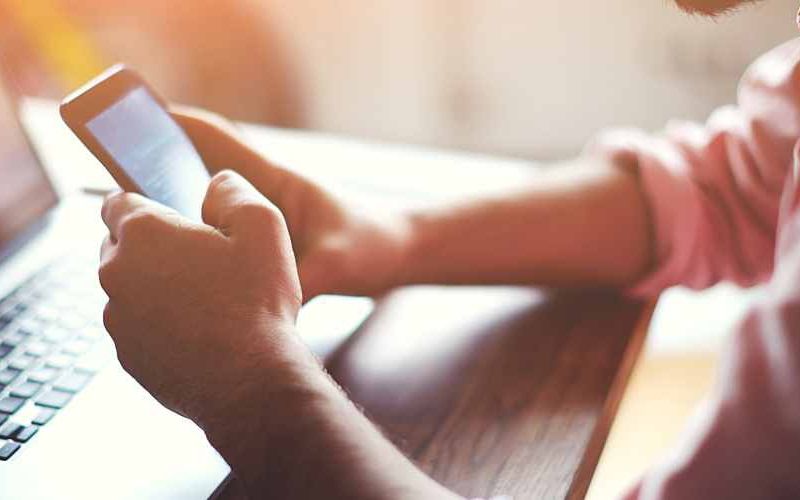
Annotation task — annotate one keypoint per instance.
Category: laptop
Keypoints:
(73, 424)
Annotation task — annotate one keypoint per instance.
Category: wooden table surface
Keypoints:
(494, 390)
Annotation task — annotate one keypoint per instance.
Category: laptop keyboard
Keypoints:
(52, 342)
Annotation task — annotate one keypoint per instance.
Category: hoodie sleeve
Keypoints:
(713, 190)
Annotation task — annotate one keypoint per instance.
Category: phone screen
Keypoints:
(153, 150)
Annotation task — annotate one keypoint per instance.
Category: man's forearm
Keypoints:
(300, 437)
(580, 224)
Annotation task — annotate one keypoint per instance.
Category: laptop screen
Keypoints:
(25, 191)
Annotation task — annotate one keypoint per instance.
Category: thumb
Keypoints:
(233, 205)
(214, 137)
(221, 146)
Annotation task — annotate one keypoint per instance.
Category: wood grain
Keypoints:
(493, 390)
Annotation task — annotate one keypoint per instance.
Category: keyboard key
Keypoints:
(5, 350)
(37, 348)
(3, 418)
(22, 362)
(10, 430)
(42, 375)
(54, 399)
(59, 360)
(77, 346)
(14, 339)
(5, 320)
(10, 404)
(11, 314)
(56, 334)
(7, 375)
(33, 324)
(26, 328)
(72, 321)
(8, 449)
(25, 434)
(26, 389)
(44, 416)
(73, 382)
(46, 313)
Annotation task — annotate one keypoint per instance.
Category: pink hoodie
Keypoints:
(726, 207)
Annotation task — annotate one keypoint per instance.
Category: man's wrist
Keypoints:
(277, 429)
(301, 426)
(272, 392)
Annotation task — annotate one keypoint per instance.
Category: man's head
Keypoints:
(710, 7)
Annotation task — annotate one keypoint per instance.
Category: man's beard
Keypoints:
(710, 7)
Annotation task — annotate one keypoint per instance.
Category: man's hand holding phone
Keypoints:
(193, 307)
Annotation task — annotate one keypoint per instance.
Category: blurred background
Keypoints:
(526, 78)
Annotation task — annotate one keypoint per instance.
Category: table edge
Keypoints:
(594, 449)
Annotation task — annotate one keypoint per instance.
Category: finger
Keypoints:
(105, 273)
(214, 137)
(118, 205)
(115, 206)
(109, 319)
(105, 214)
(107, 248)
(231, 199)
(221, 147)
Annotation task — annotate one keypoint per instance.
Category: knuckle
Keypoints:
(260, 214)
(224, 176)
(218, 186)
(219, 180)
(106, 274)
(138, 224)
(108, 318)
(112, 198)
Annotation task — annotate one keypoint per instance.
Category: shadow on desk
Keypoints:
(494, 390)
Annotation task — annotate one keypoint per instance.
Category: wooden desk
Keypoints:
(494, 391)
(491, 390)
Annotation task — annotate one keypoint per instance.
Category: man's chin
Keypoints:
(708, 7)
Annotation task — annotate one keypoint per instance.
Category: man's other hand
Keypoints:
(200, 314)
(339, 247)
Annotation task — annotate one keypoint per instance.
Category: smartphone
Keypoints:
(126, 125)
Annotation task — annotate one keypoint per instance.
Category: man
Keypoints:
(695, 206)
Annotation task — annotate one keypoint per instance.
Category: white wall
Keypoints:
(533, 78)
